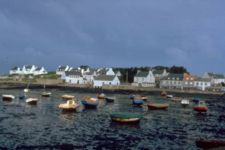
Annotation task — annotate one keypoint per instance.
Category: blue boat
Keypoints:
(89, 102)
(137, 102)
(21, 97)
(131, 96)
(195, 100)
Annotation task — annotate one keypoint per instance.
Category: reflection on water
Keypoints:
(45, 126)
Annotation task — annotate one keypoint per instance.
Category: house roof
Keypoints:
(62, 67)
(142, 74)
(173, 76)
(28, 66)
(202, 79)
(104, 77)
(216, 76)
(73, 72)
(38, 69)
(158, 71)
(15, 68)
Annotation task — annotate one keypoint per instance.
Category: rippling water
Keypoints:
(44, 126)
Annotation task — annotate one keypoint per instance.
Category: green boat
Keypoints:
(125, 117)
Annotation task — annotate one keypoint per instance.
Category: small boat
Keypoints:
(201, 107)
(144, 98)
(184, 102)
(46, 94)
(26, 90)
(163, 93)
(69, 105)
(90, 102)
(157, 106)
(125, 117)
(208, 144)
(110, 99)
(137, 102)
(131, 96)
(176, 99)
(101, 96)
(195, 100)
(22, 97)
(32, 101)
(169, 96)
(6, 97)
(67, 97)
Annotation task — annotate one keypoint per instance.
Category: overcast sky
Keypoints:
(120, 33)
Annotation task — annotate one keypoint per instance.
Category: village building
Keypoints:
(101, 80)
(89, 76)
(39, 71)
(28, 70)
(159, 74)
(144, 79)
(174, 81)
(62, 69)
(74, 77)
(215, 78)
(15, 71)
(202, 83)
(188, 81)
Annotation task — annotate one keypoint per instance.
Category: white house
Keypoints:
(15, 70)
(110, 72)
(28, 69)
(202, 84)
(118, 74)
(74, 77)
(39, 71)
(144, 79)
(89, 76)
(62, 69)
(101, 80)
(160, 73)
(215, 78)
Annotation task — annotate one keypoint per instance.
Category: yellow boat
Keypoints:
(158, 106)
(68, 97)
(69, 105)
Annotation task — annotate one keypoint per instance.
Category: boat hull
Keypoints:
(210, 144)
(157, 107)
(138, 102)
(90, 105)
(121, 120)
(109, 99)
(125, 117)
(200, 109)
(32, 102)
(7, 99)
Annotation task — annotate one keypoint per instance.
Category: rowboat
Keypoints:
(110, 99)
(207, 144)
(26, 90)
(125, 117)
(90, 102)
(67, 97)
(137, 102)
(144, 98)
(6, 97)
(157, 106)
(46, 94)
(184, 102)
(32, 101)
(69, 105)
(101, 96)
(201, 107)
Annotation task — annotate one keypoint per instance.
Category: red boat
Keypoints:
(201, 107)
(206, 144)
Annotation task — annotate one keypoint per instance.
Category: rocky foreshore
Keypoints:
(124, 89)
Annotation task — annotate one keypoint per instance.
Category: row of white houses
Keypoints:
(28, 69)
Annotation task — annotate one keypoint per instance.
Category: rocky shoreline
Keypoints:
(109, 90)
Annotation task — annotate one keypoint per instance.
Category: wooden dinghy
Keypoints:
(201, 107)
(125, 117)
(90, 102)
(32, 101)
(158, 106)
(208, 144)
(67, 97)
(70, 105)
(46, 94)
(6, 97)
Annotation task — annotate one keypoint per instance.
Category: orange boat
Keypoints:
(68, 97)
(158, 106)
(201, 107)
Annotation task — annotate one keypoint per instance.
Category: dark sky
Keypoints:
(121, 33)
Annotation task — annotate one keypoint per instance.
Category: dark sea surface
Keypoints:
(46, 127)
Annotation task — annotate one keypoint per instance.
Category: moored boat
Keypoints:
(32, 101)
(195, 100)
(110, 99)
(144, 98)
(169, 96)
(176, 99)
(163, 93)
(201, 107)
(137, 102)
(101, 96)
(6, 97)
(46, 94)
(125, 117)
(131, 96)
(185, 102)
(67, 97)
(26, 90)
(90, 102)
(158, 106)
(69, 105)
(207, 144)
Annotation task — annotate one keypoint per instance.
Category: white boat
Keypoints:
(46, 94)
(68, 97)
(6, 97)
(32, 101)
(185, 102)
(169, 96)
(26, 90)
